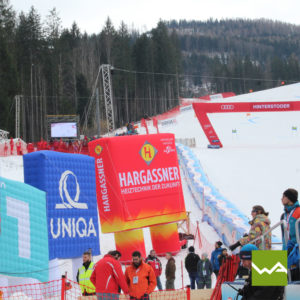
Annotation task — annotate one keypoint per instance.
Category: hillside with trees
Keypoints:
(54, 68)
(237, 55)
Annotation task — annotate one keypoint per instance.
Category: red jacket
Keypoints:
(155, 263)
(108, 276)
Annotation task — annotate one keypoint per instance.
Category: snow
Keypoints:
(256, 164)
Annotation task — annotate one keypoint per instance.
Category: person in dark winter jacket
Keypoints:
(214, 257)
(204, 269)
(155, 263)
(170, 272)
(223, 257)
(249, 292)
(191, 262)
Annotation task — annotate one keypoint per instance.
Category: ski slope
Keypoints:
(259, 161)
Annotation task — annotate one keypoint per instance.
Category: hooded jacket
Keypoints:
(108, 276)
(294, 210)
(259, 225)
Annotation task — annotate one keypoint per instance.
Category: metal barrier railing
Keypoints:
(262, 237)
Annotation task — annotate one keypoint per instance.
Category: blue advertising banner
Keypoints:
(69, 183)
(24, 234)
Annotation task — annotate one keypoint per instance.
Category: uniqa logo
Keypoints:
(227, 106)
(67, 201)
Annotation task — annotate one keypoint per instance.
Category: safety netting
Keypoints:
(227, 273)
(65, 289)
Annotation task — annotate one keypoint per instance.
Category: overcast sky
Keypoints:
(90, 15)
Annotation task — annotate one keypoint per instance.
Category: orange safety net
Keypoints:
(65, 289)
(227, 272)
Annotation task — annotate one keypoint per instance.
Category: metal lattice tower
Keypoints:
(17, 132)
(107, 89)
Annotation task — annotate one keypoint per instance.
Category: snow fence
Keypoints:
(219, 212)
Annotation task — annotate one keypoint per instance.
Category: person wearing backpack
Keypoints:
(191, 262)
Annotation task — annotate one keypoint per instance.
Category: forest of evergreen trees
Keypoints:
(54, 68)
(237, 55)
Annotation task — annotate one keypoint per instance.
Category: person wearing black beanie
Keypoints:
(291, 214)
(291, 194)
(219, 243)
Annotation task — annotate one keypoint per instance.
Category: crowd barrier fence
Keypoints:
(65, 289)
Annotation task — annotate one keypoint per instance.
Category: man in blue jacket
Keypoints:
(214, 257)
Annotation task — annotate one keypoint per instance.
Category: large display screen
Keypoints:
(63, 130)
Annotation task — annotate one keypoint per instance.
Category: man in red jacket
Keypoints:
(108, 276)
(155, 263)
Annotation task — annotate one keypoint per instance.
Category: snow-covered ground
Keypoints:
(257, 163)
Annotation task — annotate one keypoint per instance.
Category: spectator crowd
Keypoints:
(107, 280)
(19, 147)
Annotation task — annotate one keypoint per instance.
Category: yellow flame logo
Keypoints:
(148, 152)
(98, 149)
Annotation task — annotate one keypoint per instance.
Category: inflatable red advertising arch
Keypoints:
(138, 181)
(138, 185)
(202, 109)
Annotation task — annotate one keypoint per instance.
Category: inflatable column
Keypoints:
(165, 238)
(128, 242)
